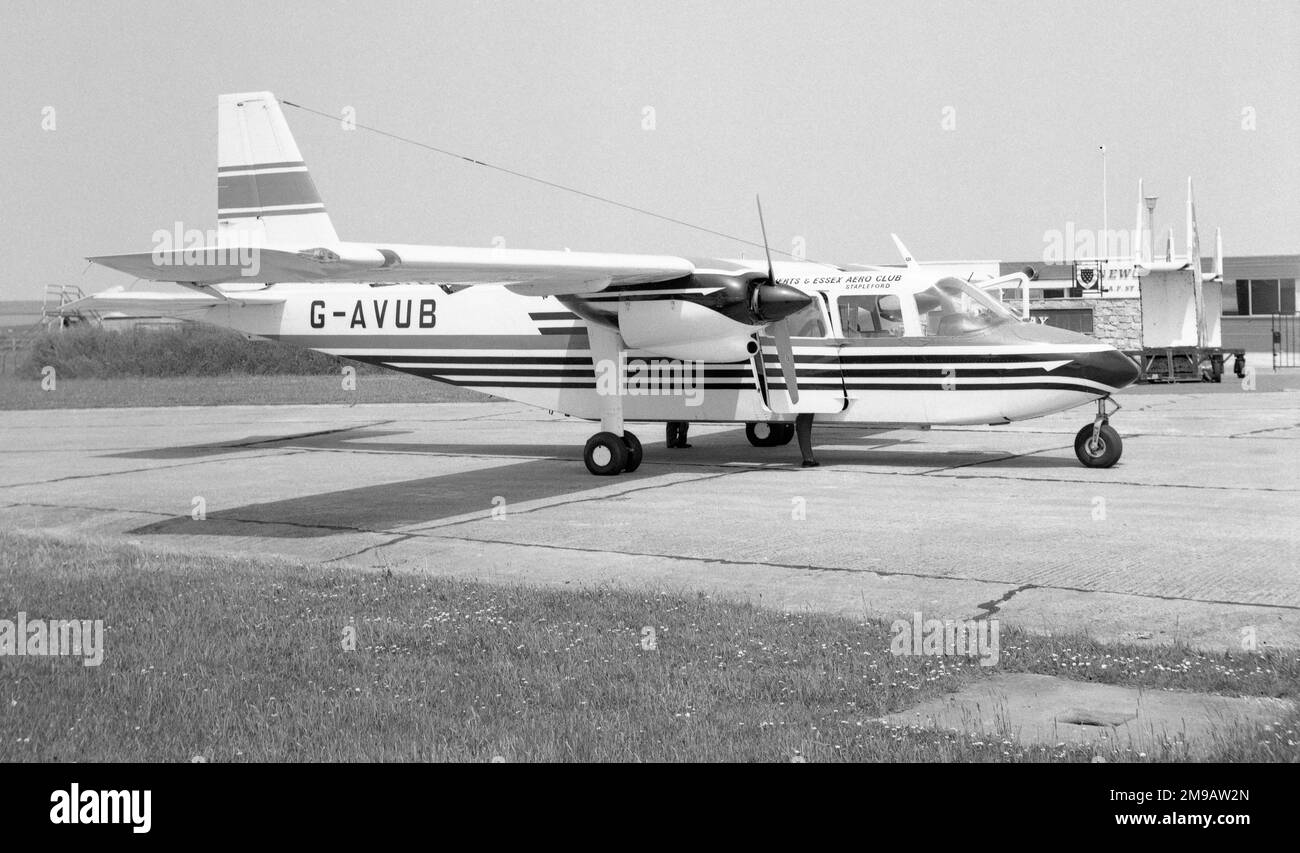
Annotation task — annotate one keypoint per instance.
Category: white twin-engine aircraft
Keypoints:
(615, 337)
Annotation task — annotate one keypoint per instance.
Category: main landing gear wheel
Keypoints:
(1100, 451)
(764, 434)
(634, 453)
(607, 454)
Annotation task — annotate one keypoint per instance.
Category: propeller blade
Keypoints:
(781, 328)
(785, 353)
(771, 276)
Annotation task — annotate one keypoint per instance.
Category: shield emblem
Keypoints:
(1086, 276)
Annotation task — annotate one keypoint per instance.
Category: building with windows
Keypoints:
(1100, 298)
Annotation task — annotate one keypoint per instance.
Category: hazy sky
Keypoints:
(835, 112)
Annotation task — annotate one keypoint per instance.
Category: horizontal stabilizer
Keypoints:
(201, 266)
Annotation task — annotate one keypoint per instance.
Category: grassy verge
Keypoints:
(239, 660)
(227, 390)
(190, 349)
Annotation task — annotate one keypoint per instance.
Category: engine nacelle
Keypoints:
(676, 328)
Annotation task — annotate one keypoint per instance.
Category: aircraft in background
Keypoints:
(619, 337)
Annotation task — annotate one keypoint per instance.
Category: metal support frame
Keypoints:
(1102, 419)
(606, 344)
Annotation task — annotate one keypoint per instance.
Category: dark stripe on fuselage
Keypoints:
(646, 297)
(671, 284)
(803, 371)
(956, 372)
(384, 343)
(659, 373)
(965, 386)
(475, 359)
(499, 371)
(992, 357)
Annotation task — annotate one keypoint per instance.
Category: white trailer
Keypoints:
(1182, 310)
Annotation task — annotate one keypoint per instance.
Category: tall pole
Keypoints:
(1150, 236)
(1105, 220)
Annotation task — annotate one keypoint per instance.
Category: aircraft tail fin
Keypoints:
(265, 195)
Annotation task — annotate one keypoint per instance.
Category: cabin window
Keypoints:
(952, 308)
(865, 317)
(807, 322)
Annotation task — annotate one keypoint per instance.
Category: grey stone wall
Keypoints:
(1117, 322)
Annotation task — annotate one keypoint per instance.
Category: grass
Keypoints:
(190, 349)
(196, 365)
(229, 390)
(241, 660)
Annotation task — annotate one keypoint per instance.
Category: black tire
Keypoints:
(634, 452)
(769, 433)
(605, 454)
(1107, 451)
(761, 433)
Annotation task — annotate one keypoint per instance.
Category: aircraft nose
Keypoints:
(1109, 367)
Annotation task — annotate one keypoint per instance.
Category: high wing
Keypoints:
(538, 273)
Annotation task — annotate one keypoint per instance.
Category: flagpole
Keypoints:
(1105, 220)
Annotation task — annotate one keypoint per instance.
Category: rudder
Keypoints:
(265, 195)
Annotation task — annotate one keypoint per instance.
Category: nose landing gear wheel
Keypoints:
(764, 434)
(1102, 451)
(606, 454)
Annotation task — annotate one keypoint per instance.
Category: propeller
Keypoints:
(781, 328)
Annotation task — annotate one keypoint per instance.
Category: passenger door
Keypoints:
(817, 364)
